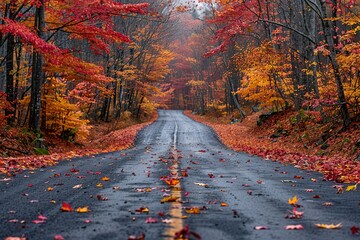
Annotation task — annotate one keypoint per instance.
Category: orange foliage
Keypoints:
(114, 141)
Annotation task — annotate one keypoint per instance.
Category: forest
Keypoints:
(75, 74)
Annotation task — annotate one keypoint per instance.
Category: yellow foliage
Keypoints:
(266, 76)
(61, 115)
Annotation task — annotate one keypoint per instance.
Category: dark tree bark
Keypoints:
(37, 74)
(10, 51)
(329, 38)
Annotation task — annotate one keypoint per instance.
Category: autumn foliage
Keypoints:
(69, 65)
(336, 163)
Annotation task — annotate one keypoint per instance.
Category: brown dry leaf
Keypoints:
(99, 185)
(169, 199)
(328, 226)
(192, 210)
(142, 210)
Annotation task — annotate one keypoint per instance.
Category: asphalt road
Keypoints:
(233, 193)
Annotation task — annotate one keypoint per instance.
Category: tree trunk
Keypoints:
(329, 38)
(10, 52)
(10, 96)
(37, 75)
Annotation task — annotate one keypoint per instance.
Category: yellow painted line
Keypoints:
(175, 207)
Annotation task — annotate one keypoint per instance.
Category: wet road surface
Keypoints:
(233, 193)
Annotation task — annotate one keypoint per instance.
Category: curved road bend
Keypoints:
(254, 192)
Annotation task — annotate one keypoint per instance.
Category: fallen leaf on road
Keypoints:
(351, 188)
(134, 237)
(151, 220)
(316, 196)
(83, 209)
(224, 204)
(50, 189)
(295, 214)
(77, 186)
(314, 179)
(298, 177)
(185, 233)
(192, 210)
(293, 200)
(74, 170)
(116, 188)
(329, 226)
(169, 199)
(261, 228)
(105, 179)
(101, 198)
(59, 237)
(249, 192)
(354, 230)
(5, 179)
(142, 210)
(99, 185)
(211, 175)
(172, 181)
(294, 227)
(327, 204)
(37, 221)
(202, 184)
(42, 217)
(65, 207)
(167, 221)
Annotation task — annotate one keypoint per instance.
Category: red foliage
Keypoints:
(114, 141)
(247, 137)
(27, 36)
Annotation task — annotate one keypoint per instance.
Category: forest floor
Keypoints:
(17, 153)
(318, 147)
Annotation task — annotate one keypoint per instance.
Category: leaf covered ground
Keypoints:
(101, 140)
(278, 140)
